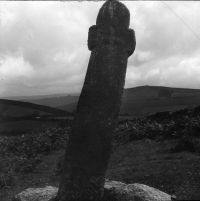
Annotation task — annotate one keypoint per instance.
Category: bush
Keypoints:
(25, 152)
(33, 144)
(165, 125)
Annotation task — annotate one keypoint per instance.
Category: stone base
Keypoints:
(114, 191)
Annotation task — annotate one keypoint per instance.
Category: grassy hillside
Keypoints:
(53, 101)
(11, 108)
(146, 100)
(151, 99)
(137, 101)
(17, 117)
(71, 107)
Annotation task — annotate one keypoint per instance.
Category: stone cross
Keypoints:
(111, 42)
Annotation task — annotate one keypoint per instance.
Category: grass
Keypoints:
(22, 126)
(152, 163)
(144, 161)
(18, 127)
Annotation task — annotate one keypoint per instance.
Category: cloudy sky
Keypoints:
(43, 45)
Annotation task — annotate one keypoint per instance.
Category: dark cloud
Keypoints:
(43, 45)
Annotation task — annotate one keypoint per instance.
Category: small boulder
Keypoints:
(141, 192)
(37, 194)
(110, 185)
(118, 191)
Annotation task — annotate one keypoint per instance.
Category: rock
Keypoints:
(110, 185)
(141, 192)
(37, 194)
(119, 191)
(114, 191)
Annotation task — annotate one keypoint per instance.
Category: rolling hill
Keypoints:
(151, 99)
(136, 101)
(17, 117)
(13, 109)
(53, 101)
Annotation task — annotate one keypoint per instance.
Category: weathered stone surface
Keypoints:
(141, 192)
(37, 194)
(114, 191)
(111, 42)
(118, 191)
(110, 185)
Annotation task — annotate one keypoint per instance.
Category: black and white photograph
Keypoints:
(99, 100)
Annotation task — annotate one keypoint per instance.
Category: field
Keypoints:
(137, 101)
(17, 117)
(160, 150)
(24, 126)
(144, 161)
(152, 163)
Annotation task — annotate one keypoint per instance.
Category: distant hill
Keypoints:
(17, 117)
(145, 100)
(71, 107)
(54, 101)
(151, 99)
(13, 109)
(136, 101)
(38, 97)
